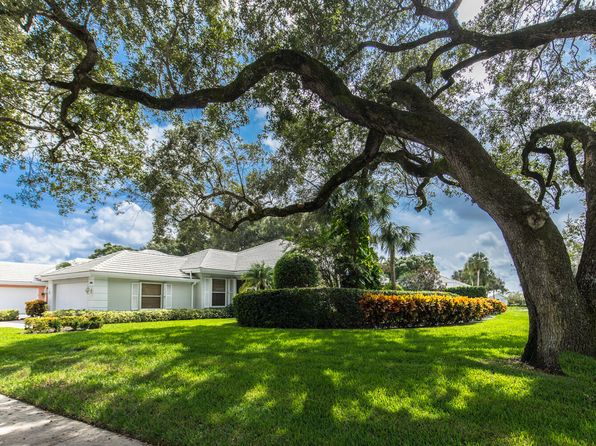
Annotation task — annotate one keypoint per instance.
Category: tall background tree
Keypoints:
(418, 272)
(348, 86)
(477, 272)
(395, 239)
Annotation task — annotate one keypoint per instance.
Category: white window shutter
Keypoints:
(134, 296)
(208, 295)
(167, 296)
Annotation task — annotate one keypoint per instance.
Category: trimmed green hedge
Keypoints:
(311, 307)
(295, 270)
(56, 324)
(468, 291)
(9, 315)
(118, 317)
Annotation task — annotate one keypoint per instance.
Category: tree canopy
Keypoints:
(477, 272)
(347, 86)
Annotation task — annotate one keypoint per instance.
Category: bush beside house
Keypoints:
(295, 270)
(9, 315)
(59, 323)
(468, 291)
(36, 308)
(354, 308)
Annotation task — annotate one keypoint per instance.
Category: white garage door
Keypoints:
(71, 296)
(15, 298)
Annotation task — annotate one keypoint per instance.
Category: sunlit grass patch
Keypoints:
(213, 382)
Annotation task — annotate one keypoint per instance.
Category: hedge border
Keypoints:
(342, 308)
(122, 317)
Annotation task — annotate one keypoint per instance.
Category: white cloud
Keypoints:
(261, 112)
(155, 133)
(455, 230)
(30, 242)
(469, 9)
(271, 142)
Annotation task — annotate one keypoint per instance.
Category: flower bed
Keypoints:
(352, 308)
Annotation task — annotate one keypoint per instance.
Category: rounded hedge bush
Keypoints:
(295, 270)
(354, 308)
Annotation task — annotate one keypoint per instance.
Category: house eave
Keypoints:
(150, 277)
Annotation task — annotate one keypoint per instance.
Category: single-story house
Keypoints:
(135, 280)
(19, 283)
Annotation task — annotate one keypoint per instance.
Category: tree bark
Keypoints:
(586, 272)
(559, 319)
(392, 267)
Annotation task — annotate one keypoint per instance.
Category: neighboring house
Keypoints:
(448, 282)
(18, 284)
(135, 280)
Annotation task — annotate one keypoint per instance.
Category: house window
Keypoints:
(218, 293)
(151, 295)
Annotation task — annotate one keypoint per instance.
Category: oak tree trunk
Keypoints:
(560, 320)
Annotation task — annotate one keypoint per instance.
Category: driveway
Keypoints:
(25, 425)
(13, 324)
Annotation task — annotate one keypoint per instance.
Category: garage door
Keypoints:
(15, 298)
(71, 296)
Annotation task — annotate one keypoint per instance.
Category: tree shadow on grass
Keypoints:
(189, 383)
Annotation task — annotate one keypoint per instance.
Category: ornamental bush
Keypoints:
(9, 315)
(118, 317)
(354, 308)
(295, 270)
(58, 323)
(383, 311)
(35, 308)
(468, 291)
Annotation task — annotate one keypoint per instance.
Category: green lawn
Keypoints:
(211, 382)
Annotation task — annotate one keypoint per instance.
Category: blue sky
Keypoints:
(456, 229)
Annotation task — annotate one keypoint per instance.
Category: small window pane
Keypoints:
(219, 285)
(151, 289)
(151, 302)
(218, 300)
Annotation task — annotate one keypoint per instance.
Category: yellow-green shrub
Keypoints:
(57, 323)
(9, 315)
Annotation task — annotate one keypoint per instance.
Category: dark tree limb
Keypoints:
(576, 24)
(569, 132)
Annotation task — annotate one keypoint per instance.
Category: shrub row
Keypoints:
(35, 307)
(354, 308)
(9, 315)
(382, 311)
(55, 324)
(468, 291)
(117, 317)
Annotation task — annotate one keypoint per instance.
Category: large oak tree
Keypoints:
(350, 88)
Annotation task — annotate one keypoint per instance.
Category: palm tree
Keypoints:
(258, 277)
(393, 239)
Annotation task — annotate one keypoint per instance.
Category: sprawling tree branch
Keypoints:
(568, 132)
(578, 23)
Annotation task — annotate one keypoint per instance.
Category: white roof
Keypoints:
(127, 262)
(448, 282)
(216, 259)
(26, 273)
(155, 263)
